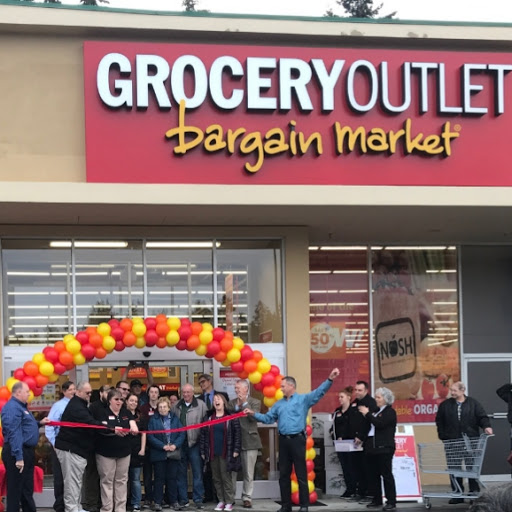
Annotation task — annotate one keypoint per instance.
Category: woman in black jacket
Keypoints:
(221, 445)
(345, 426)
(379, 449)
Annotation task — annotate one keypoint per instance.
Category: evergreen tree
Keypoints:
(359, 9)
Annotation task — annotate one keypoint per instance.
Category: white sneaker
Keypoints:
(228, 507)
(220, 506)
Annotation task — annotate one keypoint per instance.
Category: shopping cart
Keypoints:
(458, 458)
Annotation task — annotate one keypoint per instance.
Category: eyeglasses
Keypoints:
(117, 399)
(88, 392)
(124, 389)
(201, 382)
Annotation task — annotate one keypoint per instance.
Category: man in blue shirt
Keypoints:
(291, 414)
(55, 414)
(21, 434)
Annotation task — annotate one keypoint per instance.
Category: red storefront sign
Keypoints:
(291, 115)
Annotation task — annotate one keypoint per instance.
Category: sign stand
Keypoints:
(405, 465)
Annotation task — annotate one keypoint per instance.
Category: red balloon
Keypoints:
(310, 465)
(313, 497)
(117, 333)
(185, 332)
(185, 322)
(295, 497)
(58, 368)
(82, 337)
(120, 346)
(237, 367)
(113, 323)
(275, 370)
(151, 337)
(258, 386)
(19, 373)
(88, 351)
(309, 430)
(150, 323)
(30, 382)
(51, 354)
(37, 391)
(31, 368)
(181, 345)
(267, 379)
(213, 348)
(218, 334)
(246, 353)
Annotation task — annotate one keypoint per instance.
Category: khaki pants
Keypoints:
(249, 458)
(113, 482)
(222, 480)
(73, 467)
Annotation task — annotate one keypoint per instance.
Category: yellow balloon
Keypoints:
(109, 343)
(68, 338)
(54, 377)
(295, 486)
(38, 358)
(268, 401)
(10, 383)
(0, 451)
(311, 486)
(74, 347)
(46, 368)
(205, 337)
(310, 454)
(207, 327)
(201, 350)
(103, 329)
(79, 359)
(139, 329)
(308, 420)
(173, 338)
(226, 363)
(264, 366)
(238, 343)
(140, 343)
(233, 355)
(30, 396)
(254, 377)
(137, 320)
(174, 323)
(279, 394)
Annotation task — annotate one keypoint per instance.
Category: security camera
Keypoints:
(146, 354)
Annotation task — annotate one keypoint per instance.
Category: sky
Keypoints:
(450, 10)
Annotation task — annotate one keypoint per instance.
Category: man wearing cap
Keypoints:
(136, 384)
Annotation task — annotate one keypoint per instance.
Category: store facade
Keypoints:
(306, 183)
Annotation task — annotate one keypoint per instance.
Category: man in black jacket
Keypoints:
(74, 444)
(456, 416)
(359, 460)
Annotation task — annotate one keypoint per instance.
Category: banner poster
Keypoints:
(332, 347)
(416, 352)
(405, 465)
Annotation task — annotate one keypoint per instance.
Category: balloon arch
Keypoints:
(160, 331)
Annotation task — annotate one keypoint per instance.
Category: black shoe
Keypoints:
(389, 506)
(365, 499)
(346, 495)
(374, 504)
(303, 509)
(455, 501)
(285, 509)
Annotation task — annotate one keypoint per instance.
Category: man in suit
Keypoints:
(251, 442)
(206, 384)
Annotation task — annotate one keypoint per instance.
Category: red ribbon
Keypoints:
(72, 424)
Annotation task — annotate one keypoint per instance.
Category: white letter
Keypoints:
(200, 80)
(216, 91)
(406, 88)
(424, 68)
(469, 88)
(327, 80)
(441, 95)
(299, 83)
(255, 83)
(499, 98)
(123, 86)
(155, 81)
(371, 72)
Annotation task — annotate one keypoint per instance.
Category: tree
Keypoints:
(93, 2)
(190, 5)
(359, 9)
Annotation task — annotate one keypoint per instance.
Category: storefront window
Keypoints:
(180, 279)
(37, 292)
(338, 278)
(249, 289)
(416, 330)
(109, 281)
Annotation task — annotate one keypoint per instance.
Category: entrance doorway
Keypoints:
(484, 376)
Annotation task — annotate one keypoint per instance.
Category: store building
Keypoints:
(335, 192)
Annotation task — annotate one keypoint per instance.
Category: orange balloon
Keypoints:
(269, 391)
(226, 345)
(101, 353)
(250, 366)
(193, 342)
(96, 340)
(162, 329)
(41, 380)
(257, 356)
(59, 346)
(277, 381)
(126, 324)
(309, 443)
(311, 476)
(31, 368)
(66, 358)
(293, 476)
(161, 343)
(196, 327)
(5, 394)
(220, 356)
(161, 318)
(229, 335)
(129, 339)
(90, 331)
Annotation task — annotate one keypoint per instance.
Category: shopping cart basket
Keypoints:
(458, 458)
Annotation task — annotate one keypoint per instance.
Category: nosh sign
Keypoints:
(212, 114)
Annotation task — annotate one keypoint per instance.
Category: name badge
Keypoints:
(111, 417)
(150, 413)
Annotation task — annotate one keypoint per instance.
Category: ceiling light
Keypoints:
(86, 244)
(181, 245)
(343, 248)
(415, 248)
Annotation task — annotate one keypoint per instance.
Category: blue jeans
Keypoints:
(193, 456)
(136, 493)
(166, 472)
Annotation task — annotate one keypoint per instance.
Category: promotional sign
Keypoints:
(405, 465)
(204, 113)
